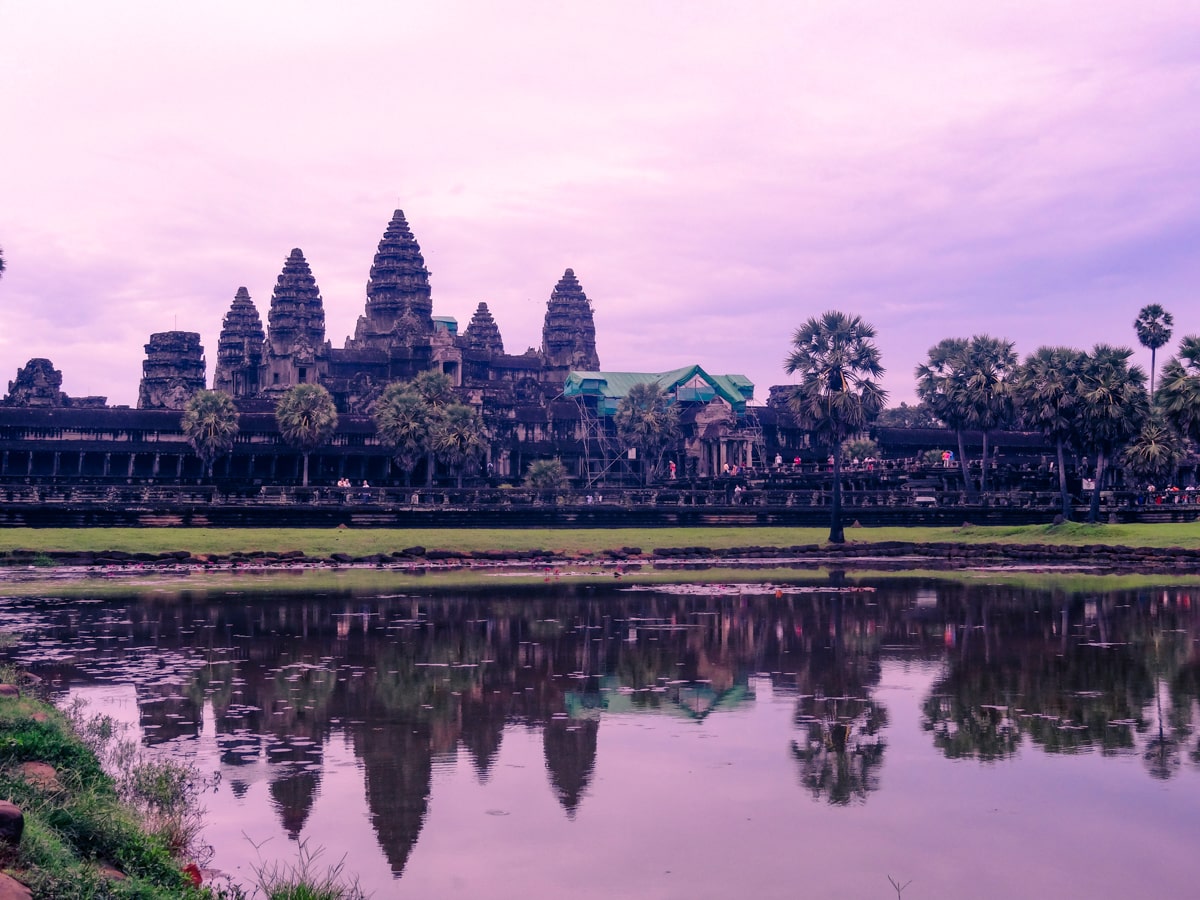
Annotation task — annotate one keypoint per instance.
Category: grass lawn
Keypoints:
(362, 542)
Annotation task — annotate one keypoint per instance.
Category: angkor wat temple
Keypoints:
(396, 337)
(553, 401)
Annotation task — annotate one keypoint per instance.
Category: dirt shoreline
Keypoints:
(889, 554)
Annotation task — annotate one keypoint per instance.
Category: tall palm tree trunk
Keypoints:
(1062, 481)
(1094, 509)
(836, 534)
(304, 480)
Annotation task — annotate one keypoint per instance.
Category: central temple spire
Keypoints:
(398, 294)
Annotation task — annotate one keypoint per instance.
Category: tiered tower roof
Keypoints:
(483, 334)
(569, 331)
(240, 347)
(398, 288)
(297, 315)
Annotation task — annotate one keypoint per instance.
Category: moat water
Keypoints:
(778, 741)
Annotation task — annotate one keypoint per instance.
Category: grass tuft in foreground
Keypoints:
(306, 879)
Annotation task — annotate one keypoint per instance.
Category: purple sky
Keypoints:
(715, 173)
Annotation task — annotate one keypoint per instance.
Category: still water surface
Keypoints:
(776, 741)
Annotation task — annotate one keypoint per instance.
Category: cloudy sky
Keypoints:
(715, 173)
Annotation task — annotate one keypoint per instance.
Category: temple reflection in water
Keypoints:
(413, 682)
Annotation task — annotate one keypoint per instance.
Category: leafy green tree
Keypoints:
(458, 439)
(548, 477)
(646, 422)
(210, 423)
(941, 385)
(860, 449)
(1178, 395)
(839, 394)
(307, 418)
(1047, 394)
(1113, 397)
(932, 456)
(402, 424)
(918, 415)
(1153, 329)
(1155, 451)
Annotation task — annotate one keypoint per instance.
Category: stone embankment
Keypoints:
(880, 553)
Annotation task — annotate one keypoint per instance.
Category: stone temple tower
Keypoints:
(172, 371)
(482, 334)
(569, 331)
(399, 299)
(296, 328)
(240, 349)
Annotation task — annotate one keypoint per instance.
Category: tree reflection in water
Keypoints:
(1068, 673)
(411, 681)
(842, 748)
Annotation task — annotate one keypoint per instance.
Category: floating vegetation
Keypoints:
(748, 588)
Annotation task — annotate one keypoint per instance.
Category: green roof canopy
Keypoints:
(691, 384)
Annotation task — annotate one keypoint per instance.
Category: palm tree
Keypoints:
(457, 438)
(210, 423)
(1114, 405)
(307, 418)
(1179, 393)
(839, 393)
(402, 423)
(941, 386)
(1154, 452)
(1153, 328)
(1, 261)
(1046, 389)
(646, 422)
(966, 383)
(990, 365)
(436, 390)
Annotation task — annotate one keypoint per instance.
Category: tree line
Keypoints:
(419, 420)
(1094, 403)
(422, 420)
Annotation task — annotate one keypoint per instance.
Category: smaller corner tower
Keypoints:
(240, 349)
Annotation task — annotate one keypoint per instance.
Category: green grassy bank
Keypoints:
(363, 542)
(80, 838)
